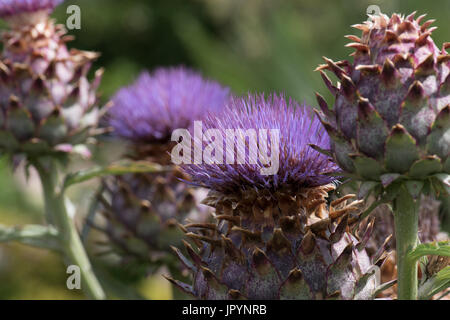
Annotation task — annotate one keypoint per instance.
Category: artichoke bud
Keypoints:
(47, 104)
(390, 120)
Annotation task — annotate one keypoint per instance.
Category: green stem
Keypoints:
(68, 236)
(406, 217)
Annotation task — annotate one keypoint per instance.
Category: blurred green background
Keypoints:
(248, 45)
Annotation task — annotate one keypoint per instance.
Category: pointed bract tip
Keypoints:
(398, 129)
(415, 91)
(352, 38)
(426, 24)
(295, 275)
(411, 16)
(308, 243)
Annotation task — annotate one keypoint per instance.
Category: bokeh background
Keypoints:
(248, 45)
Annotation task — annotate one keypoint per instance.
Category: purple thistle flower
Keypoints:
(266, 240)
(10, 8)
(158, 103)
(299, 164)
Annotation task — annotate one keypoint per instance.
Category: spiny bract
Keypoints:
(143, 210)
(391, 117)
(275, 237)
(47, 105)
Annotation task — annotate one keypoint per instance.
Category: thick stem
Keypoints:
(68, 235)
(406, 217)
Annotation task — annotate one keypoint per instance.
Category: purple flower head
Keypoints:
(158, 103)
(10, 8)
(298, 164)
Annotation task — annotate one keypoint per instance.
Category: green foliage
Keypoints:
(434, 248)
(436, 284)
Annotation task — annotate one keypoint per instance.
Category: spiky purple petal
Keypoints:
(299, 164)
(158, 103)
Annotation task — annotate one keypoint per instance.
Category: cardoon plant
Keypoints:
(143, 209)
(47, 111)
(390, 124)
(275, 235)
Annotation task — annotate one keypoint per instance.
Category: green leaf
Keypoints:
(32, 235)
(384, 286)
(433, 248)
(439, 282)
(119, 168)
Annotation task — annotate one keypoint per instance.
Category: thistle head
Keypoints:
(158, 103)
(260, 134)
(20, 12)
(274, 236)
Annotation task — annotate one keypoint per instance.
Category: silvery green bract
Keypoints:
(47, 104)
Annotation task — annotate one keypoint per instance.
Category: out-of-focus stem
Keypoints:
(69, 239)
(406, 217)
